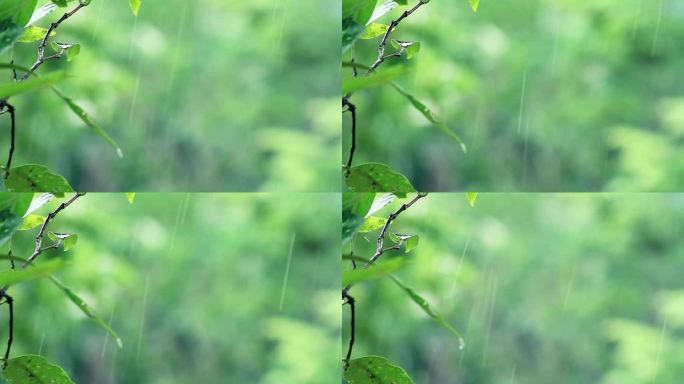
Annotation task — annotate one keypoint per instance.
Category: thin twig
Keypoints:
(352, 110)
(39, 238)
(4, 104)
(348, 299)
(383, 43)
(43, 43)
(10, 305)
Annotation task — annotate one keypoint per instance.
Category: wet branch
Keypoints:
(38, 250)
(352, 110)
(43, 43)
(383, 43)
(5, 105)
(380, 249)
(39, 238)
(380, 59)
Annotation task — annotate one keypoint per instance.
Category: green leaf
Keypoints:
(32, 34)
(9, 34)
(377, 78)
(351, 31)
(354, 209)
(411, 243)
(372, 223)
(358, 10)
(425, 306)
(36, 178)
(88, 121)
(85, 308)
(17, 203)
(412, 50)
(374, 30)
(8, 224)
(69, 242)
(11, 277)
(34, 369)
(60, 3)
(130, 196)
(30, 222)
(430, 116)
(135, 6)
(71, 50)
(472, 198)
(13, 89)
(375, 370)
(474, 4)
(375, 177)
(375, 271)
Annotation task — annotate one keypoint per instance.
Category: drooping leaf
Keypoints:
(472, 198)
(372, 223)
(36, 178)
(374, 30)
(375, 177)
(354, 209)
(34, 369)
(375, 370)
(430, 116)
(411, 243)
(380, 203)
(377, 78)
(15, 88)
(85, 308)
(135, 6)
(88, 121)
(425, 306)
(30, 222)
(130, 196)
(375, 271)
(38, 202)
(41, 12)
(69, 242)
(8, 224)
(44, 269)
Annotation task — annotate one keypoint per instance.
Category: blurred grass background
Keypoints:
(192, 283)
(603, 106)
(544, 288)
(208, 95)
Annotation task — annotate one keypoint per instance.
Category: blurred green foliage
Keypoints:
(600, 85)
(192, 283)
(201, 96)
(582, 288)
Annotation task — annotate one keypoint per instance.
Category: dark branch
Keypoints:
(4, 104)
(39, 238)
(348, 299)
(43, 43)
(10, 305)
(383, 43)
(352, 110)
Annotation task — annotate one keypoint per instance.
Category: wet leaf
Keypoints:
(375, 177)
(375, 271)
(372, 223)
(45, 269)
(430, 116)
(36, 178)
(425, 306)
(34, 369)
(12, 89)
(375, 370)
(30, 222)
(472, 198)
(85, 308)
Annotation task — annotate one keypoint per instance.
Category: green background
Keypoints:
(582, 288)
(603, 106)
(192, 284)
(206, 95)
